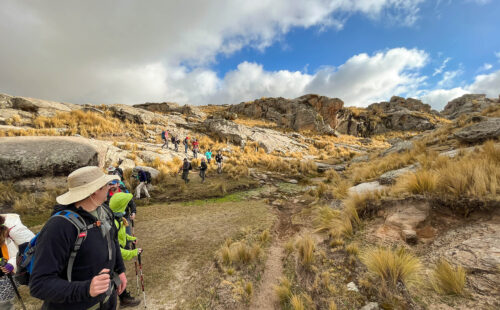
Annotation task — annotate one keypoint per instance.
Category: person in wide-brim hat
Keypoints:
(84, 182)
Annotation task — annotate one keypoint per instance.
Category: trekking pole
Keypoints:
(3, 262)
(135, 262)
(142, 279)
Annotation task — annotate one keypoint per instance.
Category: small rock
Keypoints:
(409, 236)
(351, 286)
(370, 306)
(293, 181)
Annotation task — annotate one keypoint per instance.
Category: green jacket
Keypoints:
(122, 240)
(118, 203)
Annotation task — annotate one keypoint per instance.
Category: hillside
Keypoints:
(319, 206)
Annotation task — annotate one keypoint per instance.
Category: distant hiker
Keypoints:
(177, 142)
(218, 160)
(186, 166)
(186, 144)
(173, 139)
(196, 148)
(77, 266)
(203, 169)
(208, 155)
(118, 204)
(142, 176)
(164, 136)
(116, 171)
(12, 234)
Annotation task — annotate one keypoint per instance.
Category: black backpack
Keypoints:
(148, 177)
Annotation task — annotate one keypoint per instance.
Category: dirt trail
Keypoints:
(265, 298)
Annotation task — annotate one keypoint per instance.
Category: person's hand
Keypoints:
(139, 251)
(132, 216)
(123, 285)
(100, 283)
(8, 268)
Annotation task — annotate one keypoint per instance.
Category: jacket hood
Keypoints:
(118, 203)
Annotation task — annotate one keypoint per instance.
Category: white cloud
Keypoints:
(449, 77)
(485, 67)
(440, 69)
(440, 97)
(135, 51)
(488, 84)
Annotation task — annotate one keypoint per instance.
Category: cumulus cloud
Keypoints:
(488, 84)
(135, 51)
(485, 67)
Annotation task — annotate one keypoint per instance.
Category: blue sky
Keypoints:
(228, 51)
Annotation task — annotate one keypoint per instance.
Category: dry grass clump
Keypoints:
(392, 266)
(236, 171)
(448, 280)
(472, 175)
(305, 248)
(361, 172)
(265, 236)
(296, 302)
(492, 111)
(332, 176)
(336, 223)
(250, 122)
(239, 252)
(352, 248)
(284, 291)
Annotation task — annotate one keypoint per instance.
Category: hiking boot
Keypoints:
(128, 301)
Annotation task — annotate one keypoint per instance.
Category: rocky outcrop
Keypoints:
(398, 114)
(468, 104)
(399, 147)
(134, 115)
(390, 177)
(309, 112)
(22, 157)
(486, 128)
(169, 107)
(270, 140)
(38, 107)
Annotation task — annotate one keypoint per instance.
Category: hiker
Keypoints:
(143, 179)
(173, 139)
(186, 166)
(116, 171)
(89, 276)
(176, 144)
(208, 155)
(119, 187)
(196, 145)
(186, 145)
(12, 234)
(164, 137)
(203, 169)
(118, 204)
(218, 160)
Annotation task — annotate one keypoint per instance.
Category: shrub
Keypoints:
(305, 247)
(283, 291)
(448, 280)
(392, 266)
(335, 222)
(264, 236)
(353, 249)
(420, 182)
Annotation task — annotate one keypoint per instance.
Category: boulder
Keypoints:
(134, 115)
(36, 106)
(270, 140)
(169, 107)
(487, 128)
(468, 104)
(15, 117)
(309, 112)
(322, 167)
(22, 157)
(366, 188)
(390, 177)
(399, 147)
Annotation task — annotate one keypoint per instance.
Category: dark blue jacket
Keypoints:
(142, 176)
(54, 245)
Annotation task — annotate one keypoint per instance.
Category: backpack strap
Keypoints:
(81, 228)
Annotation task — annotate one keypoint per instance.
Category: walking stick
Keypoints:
(3, 262)
(135, 263)
(142, 279)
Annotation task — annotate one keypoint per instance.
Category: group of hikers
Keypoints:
(186, 165)
(77, 259)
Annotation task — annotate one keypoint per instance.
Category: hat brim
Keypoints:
(79, 193)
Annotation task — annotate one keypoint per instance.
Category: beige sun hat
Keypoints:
(84, 182)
